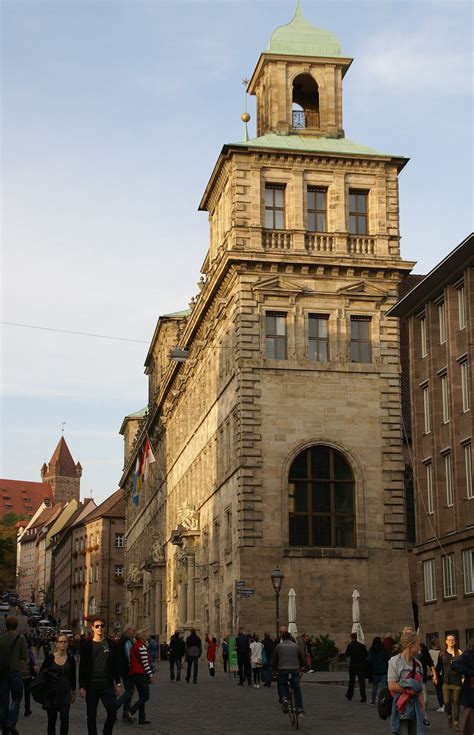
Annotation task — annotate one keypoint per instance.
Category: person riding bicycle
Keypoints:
(287, 661)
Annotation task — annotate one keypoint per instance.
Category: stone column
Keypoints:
(157, 611)
(182, 605)
(190, 596)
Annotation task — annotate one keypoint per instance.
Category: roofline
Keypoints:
(447, 271)
(229, 148)
(161, 320)
(344, 61)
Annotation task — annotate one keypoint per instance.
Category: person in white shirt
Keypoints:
(256, 660)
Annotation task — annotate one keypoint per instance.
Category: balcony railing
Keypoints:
(362, 245)
(315, 242)
(277, 240)
(305, 119)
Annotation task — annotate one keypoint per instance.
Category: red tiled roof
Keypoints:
(62, 461)
(23, 498)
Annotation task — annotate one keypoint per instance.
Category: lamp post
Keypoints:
(277, 577)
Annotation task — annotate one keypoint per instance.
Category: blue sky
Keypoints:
(113, 114)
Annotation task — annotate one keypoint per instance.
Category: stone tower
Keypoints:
(63, 474)
(278, 436)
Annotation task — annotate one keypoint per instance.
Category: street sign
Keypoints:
(245, 592)
(239, 582)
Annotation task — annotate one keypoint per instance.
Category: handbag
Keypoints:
(384, 703)
(43, 686)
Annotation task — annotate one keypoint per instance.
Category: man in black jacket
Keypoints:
(176, 651)
(242, 646)
(357, 654)
(99, 668)
(125, 644)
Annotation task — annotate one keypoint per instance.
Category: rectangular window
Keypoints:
(468, 466)
(461, 307)
(361, 349)
(423, 342)
(429, 488)
(442, 322)
(274, 206)
(118, 571)
(318, 338)
(449, 577)
(358, 212)
(316, 209)
(448, 472)
(275, 335)
(429, 575)
(119, 540)
(445, 398)
(426, 409)
(468, 566)
(466, 403)
(118, 608)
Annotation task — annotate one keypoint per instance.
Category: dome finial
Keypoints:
(245, 117)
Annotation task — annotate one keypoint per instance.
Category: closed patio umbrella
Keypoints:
(356, 626)
(292, 628)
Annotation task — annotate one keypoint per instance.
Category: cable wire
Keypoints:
(70, 331)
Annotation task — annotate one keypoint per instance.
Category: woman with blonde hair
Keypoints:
(451, 680)
(61, 668)
(405, 682)
(142, 675)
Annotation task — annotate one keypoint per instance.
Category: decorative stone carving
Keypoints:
(188, 518)
(157, 551)
(135, 575)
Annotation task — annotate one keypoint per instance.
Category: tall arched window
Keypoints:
(321, 499)
(305, 102)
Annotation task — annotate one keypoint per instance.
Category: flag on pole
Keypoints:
(135, 483)
(149, 458)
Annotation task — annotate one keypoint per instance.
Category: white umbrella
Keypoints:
(292, 629)
(356, 626)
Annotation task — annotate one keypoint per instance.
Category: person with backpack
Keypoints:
(193, 653)
(60, 666)
(13, 654)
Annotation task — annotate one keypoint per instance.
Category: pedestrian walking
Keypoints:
(308, 651)
(268, 648)
(357, 654)
(211, 654)
(451, 680)
(125, 643)
(464, 665)
(193, 653)
(153, 650)
(377, 660)
(256, 661)
(225, 652)
(142, 674)
(13, 652)
(176, 651)
(99, 670)
(242, 647)
(28, 671)
(406, 686)
(60, 666)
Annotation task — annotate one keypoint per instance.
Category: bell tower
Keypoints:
(298, 81)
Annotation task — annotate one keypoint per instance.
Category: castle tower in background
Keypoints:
(63, 474)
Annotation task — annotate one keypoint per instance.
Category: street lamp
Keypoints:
(277, 580)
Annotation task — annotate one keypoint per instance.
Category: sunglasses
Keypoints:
(100, 625)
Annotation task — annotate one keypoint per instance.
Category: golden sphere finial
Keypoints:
(245, 117)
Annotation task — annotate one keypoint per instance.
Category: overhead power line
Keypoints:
(70, 331)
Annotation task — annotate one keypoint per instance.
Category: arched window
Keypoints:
(321, 499)
(305, 108)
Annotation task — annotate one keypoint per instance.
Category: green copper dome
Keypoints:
(300, 38)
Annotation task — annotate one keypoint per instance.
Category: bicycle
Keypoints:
(293, 712)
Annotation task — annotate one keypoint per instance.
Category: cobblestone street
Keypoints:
(220, 706)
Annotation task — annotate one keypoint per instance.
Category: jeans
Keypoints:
(143, 691)
(107, 697)
(451, 695)
(376, 680)
(225, 658)
(192, 662)
(178, 663)
(245, 670)
(267, 675)
(26, 692)
(64, 719)
(256, 670)
(126, 696)
(11, 693)
(360, 674)
(295, 685)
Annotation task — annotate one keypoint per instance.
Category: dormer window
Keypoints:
(275, 206)
(305, 112)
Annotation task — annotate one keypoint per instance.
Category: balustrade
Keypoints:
(277, 240)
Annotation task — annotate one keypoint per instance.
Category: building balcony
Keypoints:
(319, 242)
(277, 240)
(361, 245)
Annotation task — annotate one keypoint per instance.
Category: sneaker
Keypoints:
(285, 706)
(127, 717)
(300, 713)
(426, 723)
(440, 709)
(371, 704)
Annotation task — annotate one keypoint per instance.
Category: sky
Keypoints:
(113, 115)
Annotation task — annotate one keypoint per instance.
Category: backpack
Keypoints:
(384, 703)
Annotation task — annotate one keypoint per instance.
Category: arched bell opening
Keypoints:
(305, 102)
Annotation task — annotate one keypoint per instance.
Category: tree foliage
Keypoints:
(8, 533)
